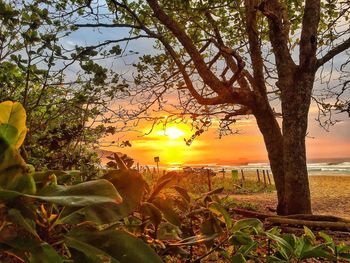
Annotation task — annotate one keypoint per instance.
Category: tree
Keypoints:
(231, 58)
(64, 110)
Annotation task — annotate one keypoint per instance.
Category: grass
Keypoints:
(197, 184)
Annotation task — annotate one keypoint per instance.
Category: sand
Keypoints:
(330, 195)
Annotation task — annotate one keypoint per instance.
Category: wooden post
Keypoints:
(138, 167)
(257, 173)
(223, 173)
(209, 180)
(156, 160)
(264, 177)
(242, 181)
(268, 176)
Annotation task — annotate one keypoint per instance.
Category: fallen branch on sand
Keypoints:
(311, 221)
(339, 226)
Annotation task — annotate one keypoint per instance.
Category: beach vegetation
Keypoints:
(225, 60)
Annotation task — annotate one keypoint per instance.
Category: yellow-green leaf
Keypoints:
(12, 123)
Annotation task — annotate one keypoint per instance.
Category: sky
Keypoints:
(247, 146)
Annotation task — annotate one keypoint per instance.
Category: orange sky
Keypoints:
(246, 146)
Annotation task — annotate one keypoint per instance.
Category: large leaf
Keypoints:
(131, 187)
(247, 224)
(219, 210)
(12, 123)
(36, 251)
(183, 192)
(241, 238)
(319, 251)
(284, 248)
(165, 205)
(129, 184)
(84, 194)
(150, 210)
(105, 213)
(163, 182)
(118, 245)
(26, 223)
(88, 253)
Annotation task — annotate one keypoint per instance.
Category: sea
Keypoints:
(314, 168)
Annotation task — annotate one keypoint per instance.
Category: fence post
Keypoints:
(209, 179)
(264, 177)
(257, 172)
(242, 181)
(268, 176)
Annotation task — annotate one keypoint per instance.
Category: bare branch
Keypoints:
(334, 52)
(206, 74)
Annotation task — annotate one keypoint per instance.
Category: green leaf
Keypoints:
(328, 239)
(319, 251)
(284, 247)
(105, 213)
(183, 193)
(91, 254)
(149, 209)
(26, 223)
(131, 187)
(248, 223)
(9, 134)
(238, 258)
(83, 194)
(309, 234)
(119, 245)
(241, 238)
(44, 253)
(162, 183)
(37, 251)
(219, 210)
(245, 249)
(165, 205)
(12, 123)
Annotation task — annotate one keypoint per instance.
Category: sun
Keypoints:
(172, 132)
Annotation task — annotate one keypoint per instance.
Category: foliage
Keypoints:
(52, 216)
(221, 60)
(36, 212)
(62, 88)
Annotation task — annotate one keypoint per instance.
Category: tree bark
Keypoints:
(273, 139)
(296, 98)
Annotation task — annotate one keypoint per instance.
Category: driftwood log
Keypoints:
(311, 221)
(337, 226)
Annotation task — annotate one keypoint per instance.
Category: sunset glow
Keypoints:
(172, 132)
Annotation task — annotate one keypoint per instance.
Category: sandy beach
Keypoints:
(330, 196)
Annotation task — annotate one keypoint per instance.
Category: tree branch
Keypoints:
(334, 52)
(254, 47)
(308, 39)
(108, 25)
(278, 32)
(228, 53)
(208, 76)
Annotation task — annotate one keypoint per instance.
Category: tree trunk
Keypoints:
(273, 139)
(296, 99)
